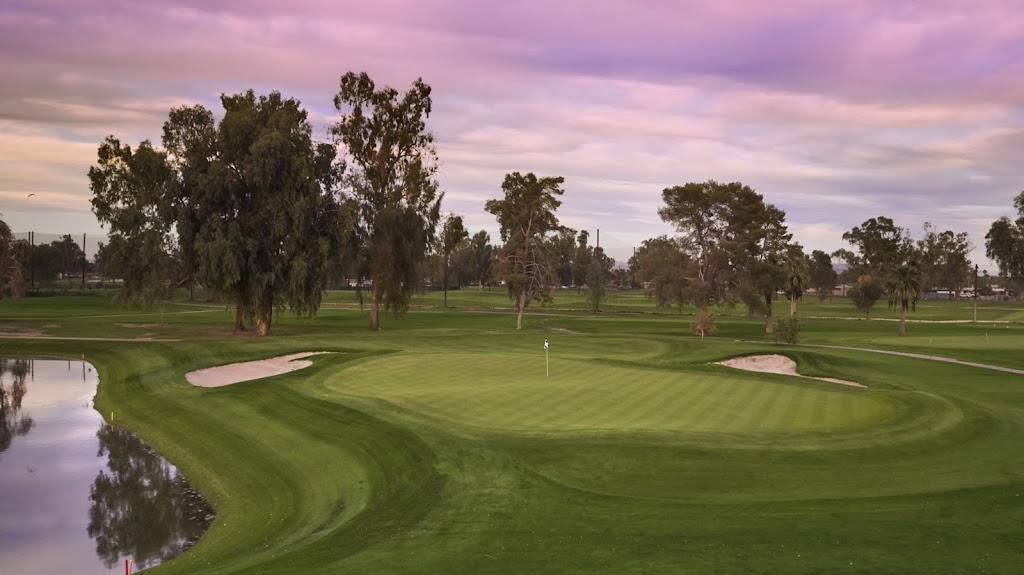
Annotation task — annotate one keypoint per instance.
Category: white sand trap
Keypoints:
(775, 364)
(249, 370)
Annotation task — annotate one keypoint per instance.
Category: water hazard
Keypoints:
(77, 495)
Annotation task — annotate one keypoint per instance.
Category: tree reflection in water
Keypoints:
(142, 508)
(12, 389)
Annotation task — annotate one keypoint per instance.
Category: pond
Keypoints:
(78, 495)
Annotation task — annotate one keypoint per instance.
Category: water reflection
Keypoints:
(141, 506)
(13, 373)
(98, 495)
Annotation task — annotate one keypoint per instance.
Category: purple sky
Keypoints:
(835, 111)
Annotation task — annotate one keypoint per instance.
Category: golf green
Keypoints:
(512, 392)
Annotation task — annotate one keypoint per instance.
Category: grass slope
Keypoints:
(438, 445)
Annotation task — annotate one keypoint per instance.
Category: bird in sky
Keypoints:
(31, 195)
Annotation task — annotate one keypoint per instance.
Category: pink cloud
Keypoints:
(848, 101)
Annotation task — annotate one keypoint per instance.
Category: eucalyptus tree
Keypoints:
(764, 259)
(133, 194)
(393, 164)
(665, 270)
(247, 206)
(581, 260)
(866, 292)
(563, 245)
(598, 272)
(1004, 244)
(852, 270)
(11, 278)
(191, 141)
(764, 276)
(903, 287)
(480, 254)
(822, 275)
(944, 258)
(596, 281)
(71, 256)
(453, 238)
(880, 246)
(268, 209)
(526, 215)
(45, 261)
(728, 228)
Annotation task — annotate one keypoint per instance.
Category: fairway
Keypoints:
(439, 445)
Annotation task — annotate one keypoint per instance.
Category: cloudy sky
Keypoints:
(836, 111)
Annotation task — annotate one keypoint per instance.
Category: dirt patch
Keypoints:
(562, 330)
(249, 370)
(16, 332)
(779, 364)
(137, 325)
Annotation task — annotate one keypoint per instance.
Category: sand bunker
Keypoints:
(775, 364)
(249, 370)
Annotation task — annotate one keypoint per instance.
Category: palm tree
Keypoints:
(10, 269)
(904, 289)
(797, 276)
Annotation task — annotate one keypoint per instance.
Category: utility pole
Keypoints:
(83, 261)
(975, 293)
(32, 257)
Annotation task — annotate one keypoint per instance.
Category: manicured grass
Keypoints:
(439, 446)
(511, 393)
(636, 301)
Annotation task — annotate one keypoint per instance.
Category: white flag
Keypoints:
(545, 344)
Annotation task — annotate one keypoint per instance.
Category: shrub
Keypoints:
(787, 329)
(703, 324)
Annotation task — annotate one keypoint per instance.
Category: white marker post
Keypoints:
(547, 371)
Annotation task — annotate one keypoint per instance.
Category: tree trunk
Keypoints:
(444, 283)
(769, 325)
(374, 304)
(239, 319)
(265, 314)
(481, 285)
(521, 305)
(903, 321)
(792, 304)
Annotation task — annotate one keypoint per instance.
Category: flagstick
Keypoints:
(547, 371)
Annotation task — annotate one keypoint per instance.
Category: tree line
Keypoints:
(45, 262)
(263, 216)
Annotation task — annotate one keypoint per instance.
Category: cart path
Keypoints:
(70, 338)
(920, 356)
